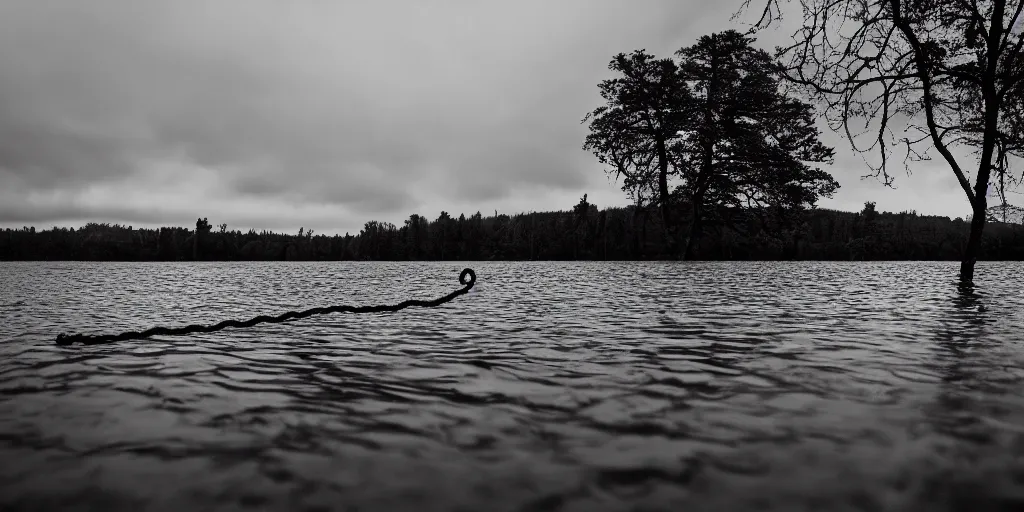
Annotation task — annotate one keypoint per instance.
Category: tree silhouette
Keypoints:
(948, 72)
(203, 226)
(646, 107)
(710, 131)
(749, 145)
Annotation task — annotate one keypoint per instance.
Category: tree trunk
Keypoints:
(666, 212)
(695, 228)
(980, 207)
(973, 247)
(980, 200)
(642, 246)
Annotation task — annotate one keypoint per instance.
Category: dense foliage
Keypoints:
(712, 131)
(584, 233)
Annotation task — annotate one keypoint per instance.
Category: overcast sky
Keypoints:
(328, 113)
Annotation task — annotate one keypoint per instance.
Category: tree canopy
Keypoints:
(646, 108)
(713, 129)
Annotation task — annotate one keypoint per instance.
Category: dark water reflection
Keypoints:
(551, 386)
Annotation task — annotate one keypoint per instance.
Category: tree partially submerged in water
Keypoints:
(712, 131)
(922, 75)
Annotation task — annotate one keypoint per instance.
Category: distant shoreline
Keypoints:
(954, 260)
(584, 234)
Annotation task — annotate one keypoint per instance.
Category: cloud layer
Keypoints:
(323, 114)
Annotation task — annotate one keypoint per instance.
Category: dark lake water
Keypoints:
(550, 386)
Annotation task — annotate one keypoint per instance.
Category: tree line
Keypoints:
(582, 233)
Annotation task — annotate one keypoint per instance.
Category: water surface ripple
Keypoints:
(550, 386)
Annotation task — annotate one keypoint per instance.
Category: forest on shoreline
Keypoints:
(582, 233)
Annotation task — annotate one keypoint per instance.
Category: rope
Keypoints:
(467, 278)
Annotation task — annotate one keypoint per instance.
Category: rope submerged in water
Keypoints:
(467, 278)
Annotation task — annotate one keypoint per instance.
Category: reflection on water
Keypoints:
(550, 386)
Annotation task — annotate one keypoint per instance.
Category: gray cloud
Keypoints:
(324, 114)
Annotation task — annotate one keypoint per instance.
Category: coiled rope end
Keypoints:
(468, 283)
